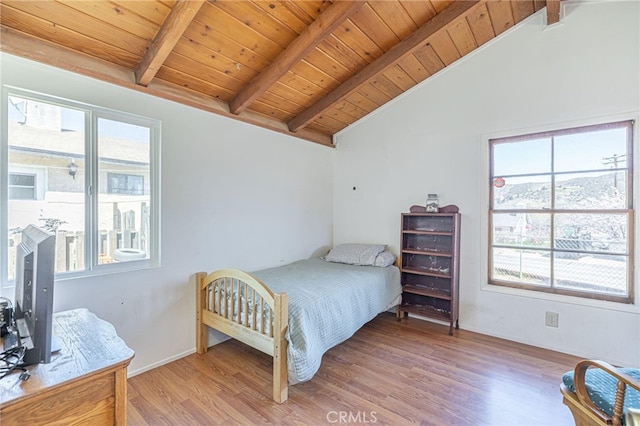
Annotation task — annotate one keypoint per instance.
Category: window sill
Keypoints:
(112, 268)
(573, 300)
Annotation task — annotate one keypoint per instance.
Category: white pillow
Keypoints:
(384, 259)
(355, 254)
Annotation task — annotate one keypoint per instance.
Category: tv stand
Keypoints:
(85, 382)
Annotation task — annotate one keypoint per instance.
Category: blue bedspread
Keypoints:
(328, 303)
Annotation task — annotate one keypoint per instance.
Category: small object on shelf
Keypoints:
(429, 266)
(432, 203)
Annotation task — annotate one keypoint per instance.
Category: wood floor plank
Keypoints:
(389, 372)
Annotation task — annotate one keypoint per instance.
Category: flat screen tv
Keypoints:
(35, 264)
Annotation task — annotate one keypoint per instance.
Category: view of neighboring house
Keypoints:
(47, 171)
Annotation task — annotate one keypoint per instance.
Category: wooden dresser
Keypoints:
(85, 382)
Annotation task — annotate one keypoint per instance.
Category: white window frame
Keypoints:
(623, 303)
(37, 183)
(41, 178)
(92, 114)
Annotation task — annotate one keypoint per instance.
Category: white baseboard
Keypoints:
(213, 340)
(141, 370)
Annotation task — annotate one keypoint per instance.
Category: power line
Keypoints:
(614, 159)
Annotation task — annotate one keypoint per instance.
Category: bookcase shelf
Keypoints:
(429, 266)
(426, 291)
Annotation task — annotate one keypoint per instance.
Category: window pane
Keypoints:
(593, 273)
(603, 149)
(580, 191)
(17, 193)
(519, 158)
(521, 266)
(124, 152)
(522, 229)
(44, 139)
(606, 233)
(22, 180)
(530, 192)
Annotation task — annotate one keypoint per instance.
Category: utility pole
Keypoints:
(614, 159)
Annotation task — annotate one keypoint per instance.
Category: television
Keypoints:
(33, 305)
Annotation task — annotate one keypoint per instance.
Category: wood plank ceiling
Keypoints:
(306, 68)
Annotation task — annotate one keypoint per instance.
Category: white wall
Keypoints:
(233, 195)
(433, 139)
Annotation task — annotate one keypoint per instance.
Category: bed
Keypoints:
(295, 312)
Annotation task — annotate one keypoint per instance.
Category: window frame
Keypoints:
(628, 210)
(92, 113)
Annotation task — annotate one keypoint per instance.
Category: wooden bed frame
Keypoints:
(585, 412)
(219, 307)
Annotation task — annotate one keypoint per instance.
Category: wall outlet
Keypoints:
(551, 319)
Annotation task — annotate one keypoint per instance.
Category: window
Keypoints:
(86, 173)
(22, 186)
(561, 212)
(118, 183)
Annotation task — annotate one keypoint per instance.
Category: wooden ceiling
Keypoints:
(306, 68)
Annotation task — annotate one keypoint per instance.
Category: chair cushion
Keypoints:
(602, 388)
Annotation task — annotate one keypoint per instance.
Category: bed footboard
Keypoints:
(242, 307)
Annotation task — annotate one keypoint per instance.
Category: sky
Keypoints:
(577, 152)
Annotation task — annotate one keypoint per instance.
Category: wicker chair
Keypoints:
(600, 394)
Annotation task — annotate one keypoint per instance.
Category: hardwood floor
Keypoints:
(410, 372)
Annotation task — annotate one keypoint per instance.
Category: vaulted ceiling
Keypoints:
(307, 68)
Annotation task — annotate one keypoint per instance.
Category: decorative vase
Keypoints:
(432, 203)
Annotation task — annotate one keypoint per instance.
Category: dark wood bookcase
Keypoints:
(430, 265)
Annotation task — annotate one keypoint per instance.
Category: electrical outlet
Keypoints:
(551, 319)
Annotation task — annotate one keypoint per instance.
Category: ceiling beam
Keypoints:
(308, 39)
(553, 12)
(170, 32)
(26, 46)
(416, 40)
